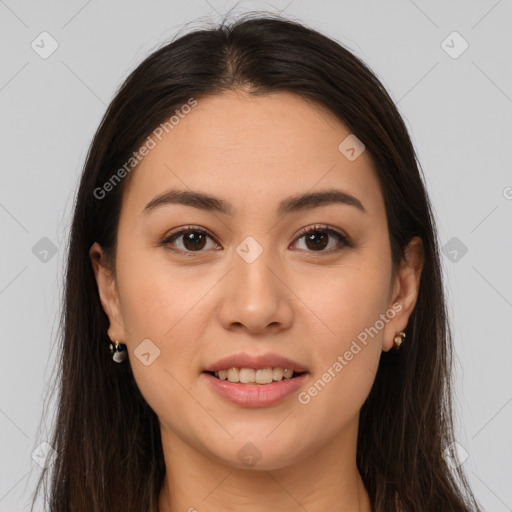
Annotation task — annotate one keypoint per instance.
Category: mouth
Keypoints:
(262, 376)
(255, 387)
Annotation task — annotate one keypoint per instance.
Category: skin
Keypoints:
(292, 300)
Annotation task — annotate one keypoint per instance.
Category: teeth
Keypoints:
(246, 375)
(233, 375)
(249, 375)
(288, 373)
(264, 376)
(278, 373)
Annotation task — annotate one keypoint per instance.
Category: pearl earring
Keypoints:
(118, 352)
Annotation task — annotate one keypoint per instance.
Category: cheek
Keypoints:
(165, 315)
(349, 302)
(345, 368)
(159, 298)
(171, 307)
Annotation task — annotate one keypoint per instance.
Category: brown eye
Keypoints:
(194, 241)
(317, 238)
(189, 240)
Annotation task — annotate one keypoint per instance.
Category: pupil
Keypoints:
(319, 242)
(194, 240)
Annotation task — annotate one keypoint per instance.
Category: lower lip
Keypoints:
(255, 395)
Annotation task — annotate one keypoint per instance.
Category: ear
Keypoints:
(107, 289)
(405, 291)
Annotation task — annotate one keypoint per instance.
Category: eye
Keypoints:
(189, 240)
(318, 237)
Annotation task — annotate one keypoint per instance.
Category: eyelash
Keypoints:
(343, 240)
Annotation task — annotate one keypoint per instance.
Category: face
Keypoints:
(258, 274)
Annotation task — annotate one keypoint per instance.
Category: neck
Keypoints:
(326, 479)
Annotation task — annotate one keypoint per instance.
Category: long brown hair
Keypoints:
(106, 435)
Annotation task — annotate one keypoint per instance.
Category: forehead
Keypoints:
(252, 149)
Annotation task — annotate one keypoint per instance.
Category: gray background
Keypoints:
(458, 111)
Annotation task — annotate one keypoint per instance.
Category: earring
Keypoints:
(399, 339)
(118, 352)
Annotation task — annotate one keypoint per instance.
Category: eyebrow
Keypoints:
(292, 204)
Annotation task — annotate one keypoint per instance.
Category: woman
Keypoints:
(254, 315)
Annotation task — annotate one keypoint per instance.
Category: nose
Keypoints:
(255, 297)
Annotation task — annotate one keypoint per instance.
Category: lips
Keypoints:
(255, 395)
(257, 362)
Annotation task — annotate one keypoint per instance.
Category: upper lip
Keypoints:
(256, 362)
